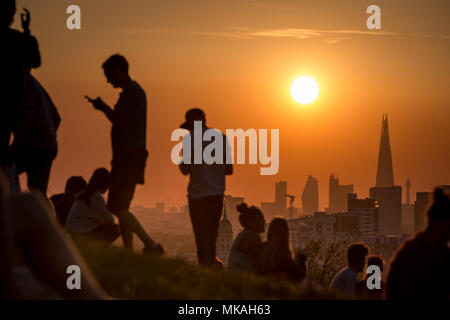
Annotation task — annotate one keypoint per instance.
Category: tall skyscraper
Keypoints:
(389, 197)
(338, 195)
(385, 173)
(408, 212)
(280, 197)
(408, 189)
(310, 196)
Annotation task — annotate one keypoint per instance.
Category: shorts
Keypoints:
(121, 191)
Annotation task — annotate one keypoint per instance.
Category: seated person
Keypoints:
(89, 214)
(246, 247)
(276, 258)
(64, 201)
(345, 280)
(361, 287)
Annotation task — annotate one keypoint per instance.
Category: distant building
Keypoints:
(420, 206)
(319, 225)
(390, 207)
(310, 196)
(232, 213)
(385, 172)
(280, 197)
(337, 199)
(368, 214)
(224, 237)
(389, 197)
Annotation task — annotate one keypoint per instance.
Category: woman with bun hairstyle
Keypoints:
(276, 258)
(247, 245)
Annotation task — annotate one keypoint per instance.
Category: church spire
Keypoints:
(385, 174)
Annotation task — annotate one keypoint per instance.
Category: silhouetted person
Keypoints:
(345, 280)
(35, 146)
(18, 50)
(275, 259)
(64, 201)
(128, 137)
(89, 215)
(206, 188)
(420, 269)
(247, 245)
(362, 290)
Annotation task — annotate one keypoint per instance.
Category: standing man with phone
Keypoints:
(128, 137)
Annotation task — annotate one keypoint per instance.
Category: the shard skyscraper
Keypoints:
(385, 173)
(388, 196)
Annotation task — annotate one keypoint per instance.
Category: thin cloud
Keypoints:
(329, 36)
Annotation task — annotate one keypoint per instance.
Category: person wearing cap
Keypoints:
(206, 186)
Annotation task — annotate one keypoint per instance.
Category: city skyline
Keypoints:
(243, 62)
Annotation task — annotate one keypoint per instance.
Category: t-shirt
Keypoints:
(206, 179)
(129, 129)
(344, 281)
(84, 218)
(46, 118)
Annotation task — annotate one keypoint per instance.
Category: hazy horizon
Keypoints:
(237, 61)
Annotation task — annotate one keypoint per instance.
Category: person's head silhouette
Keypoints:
(192, 115)
(374, 260)
(8, 10)
(75, 185)
(278, 232)
(99, 180)
(439, 209)
(251, 218)
(356, 256)
(116, 71)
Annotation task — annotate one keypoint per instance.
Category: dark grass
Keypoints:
(128, 275)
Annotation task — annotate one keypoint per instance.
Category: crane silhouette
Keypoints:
(291, 205)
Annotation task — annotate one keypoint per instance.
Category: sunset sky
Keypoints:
(237, 60)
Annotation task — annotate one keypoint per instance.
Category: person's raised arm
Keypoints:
(98, 104)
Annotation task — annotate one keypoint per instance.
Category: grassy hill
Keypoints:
(128, 275)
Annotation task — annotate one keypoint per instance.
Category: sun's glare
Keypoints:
(304, 90)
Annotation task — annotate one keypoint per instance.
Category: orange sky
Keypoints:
(236, 60)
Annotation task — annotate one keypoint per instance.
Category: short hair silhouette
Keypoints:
(8, 10)
(194, 114)
(247, 214)
(116, 62)
(356, 252)
(99, 182)
(439, 209)
(278, 231)
(376, 260)
(75, 184)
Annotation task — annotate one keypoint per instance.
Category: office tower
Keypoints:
(390, 205)
(224, 237)
(389, 197)
(367, 211)
(420, 206)
(408, 212)
(337, 195)
(280, 197)
(385, 173)
(310, 196)
(408, 189)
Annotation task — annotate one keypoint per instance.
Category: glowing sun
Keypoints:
(304, 90)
